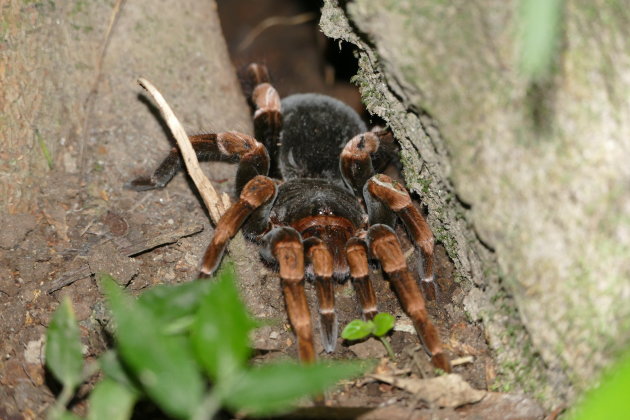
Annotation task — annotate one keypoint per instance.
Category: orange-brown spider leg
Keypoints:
(356, 253)
(355, 161)
(285, 245)
(384, 245)
(257, 192)
(230, 146)
(321, 260)
(388, 149)
(355, 164)
(395, 196)
(267, 110)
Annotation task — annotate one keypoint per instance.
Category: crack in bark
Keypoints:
(91, 97)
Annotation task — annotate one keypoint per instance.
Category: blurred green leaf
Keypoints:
(63, 347)
(540, 28)
(113, 369)
(111, 400)
(274, 388)
(357, 329)
(174, 306)
(45, 150)
(162, 363)
(610, 400)
(68, 416)
(220, 334)
(383, 322)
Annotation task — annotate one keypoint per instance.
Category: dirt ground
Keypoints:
(105, 228)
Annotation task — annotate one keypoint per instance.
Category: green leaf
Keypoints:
(541, 25)
(383, 322)
(110, 400)
(357, 329)
(274, 388)
(220, 334)
(63, 347)
(68, 416)
(45, 150)
(610, 399)
(113, 369)
(162, 363)
(175, 305)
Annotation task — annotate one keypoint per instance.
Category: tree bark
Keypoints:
(69, 85)
(526, 181)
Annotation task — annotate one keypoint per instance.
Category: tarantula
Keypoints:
(322, 217)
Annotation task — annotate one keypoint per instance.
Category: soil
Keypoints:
(86, 228)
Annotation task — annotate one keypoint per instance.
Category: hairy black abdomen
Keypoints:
(315, 130)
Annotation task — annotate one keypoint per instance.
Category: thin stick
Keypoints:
(462, 360)
(274, 21)
(215, 204)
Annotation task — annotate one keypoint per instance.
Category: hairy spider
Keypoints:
(322, 217)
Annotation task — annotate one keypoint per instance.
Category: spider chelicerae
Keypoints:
(309, 194)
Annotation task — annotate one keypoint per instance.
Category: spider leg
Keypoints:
(321, 259)
(255, 194)
(230, 146)
(267, 111)
(356, 254)
(388, 150)
(257, 74)
(355, 161)
(384, 245)
(284, 244)
(355, 164)
(395, 197)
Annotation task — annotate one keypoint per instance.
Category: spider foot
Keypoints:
(142, 183)
(285, 245)
(384, 245)
(356, 253)
(329, 328)
(441, 361)
(319, 256)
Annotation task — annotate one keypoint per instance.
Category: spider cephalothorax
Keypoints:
(322, 217)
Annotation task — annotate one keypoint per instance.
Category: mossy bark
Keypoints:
(542, 168)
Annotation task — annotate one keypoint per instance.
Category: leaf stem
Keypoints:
(60, 405)
(388, 347)
(209, 407)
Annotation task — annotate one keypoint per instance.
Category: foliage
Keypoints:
(63, 353)
(378, 327)
(609, 400)
(540, 28)
(171, 343)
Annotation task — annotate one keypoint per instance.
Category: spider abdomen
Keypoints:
(314, 131)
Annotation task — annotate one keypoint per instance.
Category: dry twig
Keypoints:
(215, 204)
(274, 21)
